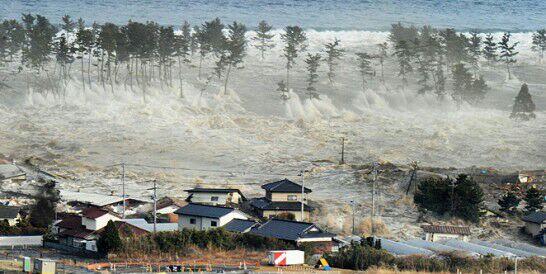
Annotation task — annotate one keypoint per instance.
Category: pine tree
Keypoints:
(490, 49)
(84, 40)
(182, 48)
(524, 106)
(165, 51)
(109, 239)
(468, 198)
(405, 55)
(475, 48)
(455, 47)
(424, 65)
(534, 197)
(235, 48)
(509, 202)
(382, 56)
(333, 54)
(364, 67)
(68, 24)
(462, 82)
(508, 52)
(264, 38)
(294, 39)
(313, 62)
(539, 43)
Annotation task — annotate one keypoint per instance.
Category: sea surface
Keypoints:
(374, 15)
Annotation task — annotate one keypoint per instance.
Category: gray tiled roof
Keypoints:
(289, 230)
(537, 217)
(284, 186)
(447, 229)
(238, 225)
(9, 212)
(204, 210)
(264, 204)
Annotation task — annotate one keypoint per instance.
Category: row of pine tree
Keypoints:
(139, 54)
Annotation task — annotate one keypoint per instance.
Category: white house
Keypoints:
(94, 218)
(203, 217)
(10, 214)
(535, 223)
(435, 233)
(215, 196)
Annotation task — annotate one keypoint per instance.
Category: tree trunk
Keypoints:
(227, 78)
(83, 75)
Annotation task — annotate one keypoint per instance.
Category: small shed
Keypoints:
(45, 266)
(444, 232)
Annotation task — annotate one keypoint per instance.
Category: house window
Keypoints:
(213, 223)
(193, 221)
(214, 199)
(292, 197)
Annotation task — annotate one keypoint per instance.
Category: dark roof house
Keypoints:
(284, 186)
(265, 204)
(537, 217)
(200, 210)
(292, 231)
(214, 190)
(9, 212)
(94, 213)
(240, 226)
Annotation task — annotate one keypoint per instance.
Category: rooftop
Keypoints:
(265, 204)
(9, 212)
(537, 217)
(94, 213)
(446, 229)
(238, 225)
(213, 190)
(70, 222)
(284, 186)
(289, 230)
(95, 199)
(9, 171)
(204, 210)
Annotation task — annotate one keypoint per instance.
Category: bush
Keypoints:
(462, 199)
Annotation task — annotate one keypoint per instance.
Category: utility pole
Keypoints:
(374, 173)
(123, 188)
(154, 197)
(342, 151)
(353, 208)
(302, 193)
(411, 186)
(452, 195)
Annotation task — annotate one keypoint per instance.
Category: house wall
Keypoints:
(98, 223)
(283, 197)
(204, 223)
(205, 198)
(433, 237)
(297, 214)
(534, 229)
(201, 223)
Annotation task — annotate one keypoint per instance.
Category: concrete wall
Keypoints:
(12, 241)
(297, 214)
(284, 197)
(433, 237)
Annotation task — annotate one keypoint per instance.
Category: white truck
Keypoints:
(286, 257)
